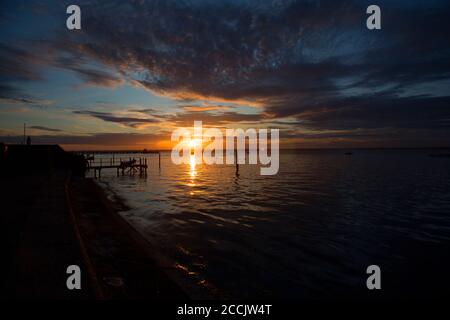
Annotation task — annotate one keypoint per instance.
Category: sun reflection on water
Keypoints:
(192, 163)
(192, 172)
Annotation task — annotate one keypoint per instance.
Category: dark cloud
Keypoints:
(42, 128)
(12, 95)
(25, 63)
(109, 117)
(186, 119)
(17, 64)
(145, 111)
(98, 78)
(380, 112)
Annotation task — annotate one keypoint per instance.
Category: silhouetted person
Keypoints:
(28, 141)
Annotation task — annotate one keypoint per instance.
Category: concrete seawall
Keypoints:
(120, 262)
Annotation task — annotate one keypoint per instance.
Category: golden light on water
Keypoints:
(192, 163)
(193, 144)
(192, 172)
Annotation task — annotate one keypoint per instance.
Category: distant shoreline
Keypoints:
(131, 151)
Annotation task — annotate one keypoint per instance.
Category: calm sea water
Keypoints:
(309, 231)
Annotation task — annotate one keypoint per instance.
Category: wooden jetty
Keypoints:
(131, 166)
(123, 166)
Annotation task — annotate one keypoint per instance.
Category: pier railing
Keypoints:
(122, 165)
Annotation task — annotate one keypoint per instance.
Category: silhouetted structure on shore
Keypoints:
(2, 153)
(26, 159)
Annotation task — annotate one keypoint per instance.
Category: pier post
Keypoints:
(236, 159)
(159, 160)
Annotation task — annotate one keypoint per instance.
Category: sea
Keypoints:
(309, 232)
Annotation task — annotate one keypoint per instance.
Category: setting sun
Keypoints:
(193, 143)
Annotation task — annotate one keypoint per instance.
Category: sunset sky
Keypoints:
(139, 69)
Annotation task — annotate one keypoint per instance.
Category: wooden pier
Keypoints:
(129, 166)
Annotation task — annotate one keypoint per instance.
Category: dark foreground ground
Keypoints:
(48, 224)
(37, 239)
